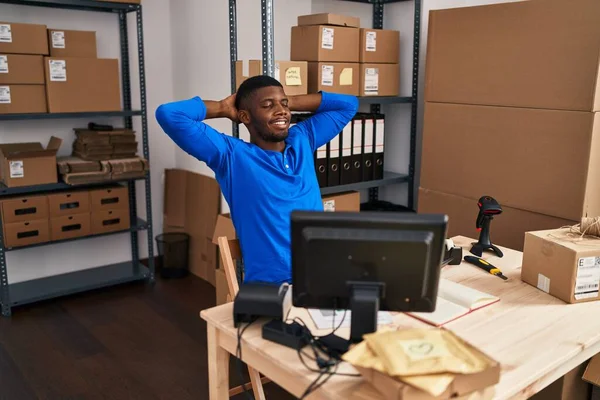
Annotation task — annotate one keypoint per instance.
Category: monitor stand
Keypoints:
(364, 305)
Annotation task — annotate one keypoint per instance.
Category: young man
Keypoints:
(265, 180)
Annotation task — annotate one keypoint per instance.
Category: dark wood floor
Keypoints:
(130, 342)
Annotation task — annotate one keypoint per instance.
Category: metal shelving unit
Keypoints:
(15, 294)
(374, 102)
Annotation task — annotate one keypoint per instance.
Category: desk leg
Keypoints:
(218, 367)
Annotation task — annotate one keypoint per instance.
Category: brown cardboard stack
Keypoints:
(22, 47)
(50, 70)
(516, 122)
(70, 214)
(344, 58)
(109, 209)
(76, 171)
(25, 221)
(104, 145)
(329, 43)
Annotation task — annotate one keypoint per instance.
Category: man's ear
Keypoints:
(244, 116)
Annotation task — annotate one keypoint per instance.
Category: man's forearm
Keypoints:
(215, 109)
(305, 102)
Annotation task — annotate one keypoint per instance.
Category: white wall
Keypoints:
(52, 259)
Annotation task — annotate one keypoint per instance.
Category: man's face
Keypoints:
(270, 114)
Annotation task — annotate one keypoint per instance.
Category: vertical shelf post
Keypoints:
(146, 151)
(235, 128)
(414, 106)
(4, 289)
(376, 108)
(268, 63)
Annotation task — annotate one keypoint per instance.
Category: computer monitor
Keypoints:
(366, 262)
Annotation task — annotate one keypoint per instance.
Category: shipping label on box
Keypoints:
(565, 265)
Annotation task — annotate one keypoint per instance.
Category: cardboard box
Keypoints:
(184, 192)
(568, 387)
(379, 79)
(69, 203)
(18, 234)
(563, 265)
(105, 221)
(538, 54)
(333, 77)
(24, 209)
(23, 38)
(70, 226)
(109, 199)
(328, 19)
(293, 75)
(508, 229)
(543, 161)
(26, 164)
(21, 69)
(342, 202)
(379, 46)
(324, 43)
(23, 99)
(69, 43)
(70, 87)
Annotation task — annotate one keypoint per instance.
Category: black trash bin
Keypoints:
(173, 254)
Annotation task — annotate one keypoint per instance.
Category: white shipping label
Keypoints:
(357, 145)
(334, 147)
(379, 136)
(3, 64)
(347, 141)
(371, 81)
(329, 206)
(58, 70)
(4, 94)
(327, 39)
(16, 169)
(369, 136)
(327, 75)
(277, 72)
(58, 39)
(371, 42)
(5, 33)
(587, 284)
(543, 283)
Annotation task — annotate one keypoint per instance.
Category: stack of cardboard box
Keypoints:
(38, 219)
(49, 70)
(343, 58)
(512, 92)
(104, 145)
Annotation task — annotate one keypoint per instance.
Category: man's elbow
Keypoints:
(163, 115)
(353, 104)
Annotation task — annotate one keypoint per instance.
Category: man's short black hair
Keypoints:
(250, 85)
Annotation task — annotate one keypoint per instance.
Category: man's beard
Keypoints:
(273, 137)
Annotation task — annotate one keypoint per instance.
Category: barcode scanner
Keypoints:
(488, 208)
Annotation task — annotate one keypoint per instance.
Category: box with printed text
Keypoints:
(563, 264)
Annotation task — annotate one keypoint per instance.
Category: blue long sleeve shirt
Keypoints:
(261, 187)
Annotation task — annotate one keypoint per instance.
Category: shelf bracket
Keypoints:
(376, 108)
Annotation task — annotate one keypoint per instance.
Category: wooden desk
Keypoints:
(536, 338)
